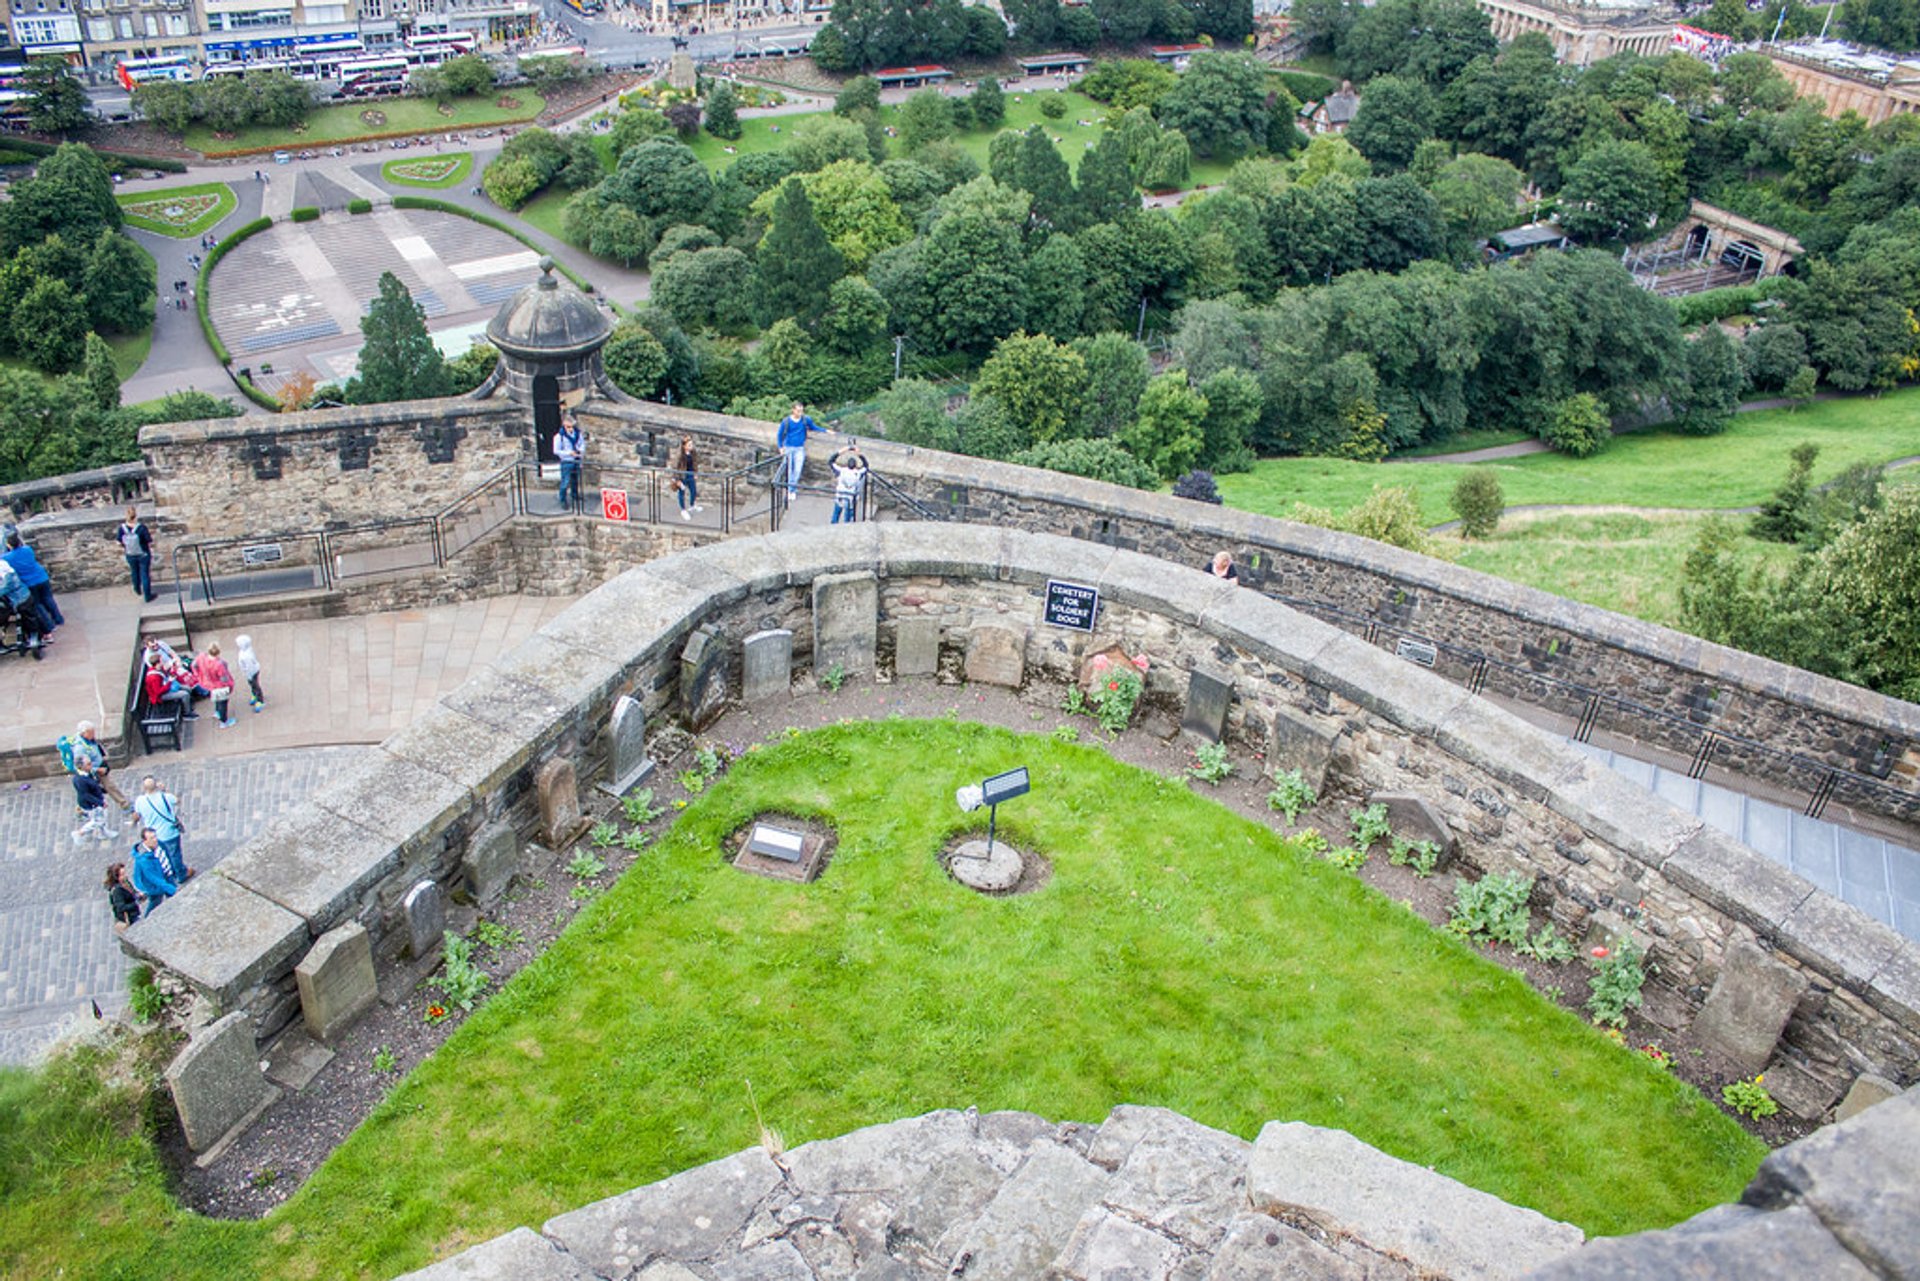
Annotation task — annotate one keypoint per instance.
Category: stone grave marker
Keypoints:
(630, 763)
(1209, 695)
(766, 667)
(1297, 741)
(1415, 820)
(425, 908)
(336, 980)
(490, 861)
(1748, 1007)
(916, 646)
(561, 821)
(997, 655)
(1866, 1091)
(703, 677)
(217, 1082)
(846, 623)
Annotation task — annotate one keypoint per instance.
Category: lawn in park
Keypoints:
(342, 122)
(440, 170)
(1179, 956)
(178, 211)
(1737, 468)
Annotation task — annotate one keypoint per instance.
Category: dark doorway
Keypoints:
(1697, 241)
(546, 417)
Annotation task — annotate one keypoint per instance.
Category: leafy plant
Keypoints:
(635, 841)
(496, 937)
(1074, 701)
(437, 1013)
(1210, 763)
(583, 893)
(384, 1061)
(834, 677)
(693, 781)
(1546, 945)
(1750, 1098)
(709, 761)
(1291, 794)
(585, 865)
(1312, 840)
(1616, 983)
(460, 979)
(1114, 699)
(1347, 858)
(265, 1178)
(603, 835)
(1369, 825)
(144, 998)
(1066, 733)
(639, 807)
(1492, 909)
(1658, 1055)
(1422, 856)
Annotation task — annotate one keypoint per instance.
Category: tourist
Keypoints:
(162, 689)
(154, 874)
(86, 745)
(159, 809)
(92, 800)
(136, 544)
(791, 436)
(1222, 567)
(174, 666)
(16, 602)
(210, 670)
(570, 448)
(250, 668)
(849, 477)
(122, 898)
(37, 580)
(686, 483)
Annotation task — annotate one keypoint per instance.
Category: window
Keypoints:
(99, 29)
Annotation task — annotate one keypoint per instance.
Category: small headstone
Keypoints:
(216, 1081)
(766, 666)
(560, 819)
(1748, 1007)
(846, 623)
(627, 750)
(425, 908)
(916, 646)
(1415, 820)
(1867, 1090)
(997, 655)
(336, 980)
(1208, 698)
(490, 861)
(1298, 741)
(294, 1059)
(703, 677)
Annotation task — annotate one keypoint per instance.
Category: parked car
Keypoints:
(282, 158)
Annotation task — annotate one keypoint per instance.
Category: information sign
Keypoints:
(1071, 605)
(613, 504)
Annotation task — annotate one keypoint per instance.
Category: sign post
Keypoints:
(1002, 787)
(613, 504)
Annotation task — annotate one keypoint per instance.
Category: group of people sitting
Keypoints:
(171, 679)
(26, 598)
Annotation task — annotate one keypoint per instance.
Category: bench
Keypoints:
(163, 724)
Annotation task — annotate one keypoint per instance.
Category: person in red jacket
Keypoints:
(162, 688)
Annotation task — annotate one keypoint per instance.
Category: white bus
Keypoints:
(217, 70)
(434, 47)
(371, 76)
(139, 71)
(323, 61)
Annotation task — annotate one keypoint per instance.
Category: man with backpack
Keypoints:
(83, 745)
(570, 448)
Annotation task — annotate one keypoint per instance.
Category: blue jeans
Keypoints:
(569, 485)
(689, 492)
(843, 508)
(141, 568)
(796, 456)
(43, 597)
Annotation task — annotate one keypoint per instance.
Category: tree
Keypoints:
(635, 125)
(44, 423)
(970, 279)
(1124, 22)
(661, 180)
(510, 181)
(856, 317)
(723, 112)
(1042, 384)
(1395, 116)
(1477, 501)
(1126, 83)
(925, 117)
(989, 103)
(1478, 195)
(1578, 426)
(1801, 387)
(1117, 373)
(70, 195)
(468, 74)
(1056, 288)
(1714, 382)
(1233, 410)
(1106, 182)
(1095, 459)
(1612, 193)
(796, 264)
(708, 288)
(684, 117)
(56, 103)
(119, 284)
(50, 325)
(167, 103)
(1168, 434)
(398, 360)
(862, 93)
(914, 412)
(1039, 170)
(1783, 517)
(102, 379)
(818, 141)
(618, 233)
(855, 208)
(1220, 104)
(1869, 580)
(1772, 354)
(635, 360)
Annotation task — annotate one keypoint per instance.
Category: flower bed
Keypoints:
(429, 171)
(179, 211)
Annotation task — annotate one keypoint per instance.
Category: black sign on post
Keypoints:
(1002, 787)
(1071, 605)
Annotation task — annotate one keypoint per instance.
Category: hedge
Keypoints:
(461, 211)
(359, 205)
(257, 395)
(1306, 86)
(1693, 310)
(305, 213)
(214, 255)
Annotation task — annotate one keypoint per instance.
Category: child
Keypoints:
(211, 671)
(92, 799)
(250, 668)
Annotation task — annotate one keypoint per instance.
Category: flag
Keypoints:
(124, 76)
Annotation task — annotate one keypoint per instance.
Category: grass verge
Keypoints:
(1180, 956)
(343, 123)
(416, 171)
(178, 211)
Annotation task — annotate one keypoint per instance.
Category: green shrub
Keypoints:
(1291, 793)
(1750, 1098)
(214, 255)
(1053, 106)
(258, 395)
(1616, 983)
(1492, 909)
(1369, 825)
(460, 979)
(1478, 501)
(305, 213)
(1715, 304)
(1421, 856)
(359, 206)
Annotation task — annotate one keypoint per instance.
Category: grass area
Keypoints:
(342, 122)
(1180, 956)
(1620, 562)
(178, 211)
(1485, 438)
(1737, 468)
(130, 351)
(440, 171)
(544, 211)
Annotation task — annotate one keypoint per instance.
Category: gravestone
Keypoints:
(561, 821)
(1209, 695)
(1413, 819)
(1748, 1007)
(1867, 1090)
(490, 861)
(997, 655)
(627, 752)
(766, 666)
(336, 980)
(217, 1082)
(703, 677)
(1298, 741)
(846, 623)
(425, 908)
(916, 646)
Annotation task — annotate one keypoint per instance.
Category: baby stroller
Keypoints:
(17, 611)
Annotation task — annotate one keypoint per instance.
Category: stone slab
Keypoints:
(315, 863)
(425, 911)
(472, 753)
(1209, 697)
(1866, 1091)
(490, 860)
(1179, 1177)
(1748, 1007)
(336, 980)
(846, 623)
(520, 1255)
(689, 1216)
(934, 1170)
(519, 710)
(916, 646)
(1415, 820)
(1106, 1245)
(1436, 1223)
(1031, 1218)
(1298, 741)
(1259, 1248)
(993, 872)
(627, 759)
(397, 799)
(703, 677)
(294, 1059)
(1726, 1241)
(557, 792)
(219, 936)
(216, 1080)
(997, 655)
(766, 665)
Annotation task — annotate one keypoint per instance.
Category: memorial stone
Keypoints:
(336, 980)
(1748, 1007)
(1867, 1090)
(846, 623)
(916, 646)
(1412, 819)
(996, 655)
(1297, 741)
(216, 1080)
(627, 731)
(1208, 697)
(560, 819)
(766, 667)
(425, 908)
(490, 861)
(703, 678)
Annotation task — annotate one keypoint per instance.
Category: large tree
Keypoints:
(398, 360)
(796, 264)
(1612, 193)
(1220, 104)
(706, 289)
(1042, 384)
(56, 103)
(1395, 116)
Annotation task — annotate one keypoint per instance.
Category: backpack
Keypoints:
(65, 746)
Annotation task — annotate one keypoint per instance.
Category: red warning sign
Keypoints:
(613, 504)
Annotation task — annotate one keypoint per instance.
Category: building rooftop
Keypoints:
(548, 320)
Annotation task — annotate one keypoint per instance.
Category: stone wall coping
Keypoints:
(307, 422)
(73, 482)
(219, 936)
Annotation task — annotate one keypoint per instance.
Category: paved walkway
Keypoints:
(84, 674)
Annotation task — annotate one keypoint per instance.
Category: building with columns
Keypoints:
(1583, 33)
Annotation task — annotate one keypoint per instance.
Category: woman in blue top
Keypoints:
(34, 575)
(792, 438)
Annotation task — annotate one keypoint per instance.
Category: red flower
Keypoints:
(1113, 684)
(1599, 951)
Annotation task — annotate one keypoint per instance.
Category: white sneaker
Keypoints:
(685, 514)
(697, 507)
(80, 836)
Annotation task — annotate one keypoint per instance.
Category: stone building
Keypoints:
(1875, 85)
(1586, 31)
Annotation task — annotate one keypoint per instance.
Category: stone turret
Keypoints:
(549, 331)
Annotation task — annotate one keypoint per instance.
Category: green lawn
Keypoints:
(544, 211)
(328, 125)
(1737, 468)
(1180, 956)
(178, 211)
(446, 169)
(130, 351)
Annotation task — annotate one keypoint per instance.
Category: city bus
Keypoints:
(218, 70)
(434, 47)
(585, 8)
(138, 71)
(323, 61)
(371, 76)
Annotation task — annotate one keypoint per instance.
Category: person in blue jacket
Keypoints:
(34, 575)
(153, 873)
(791, 436)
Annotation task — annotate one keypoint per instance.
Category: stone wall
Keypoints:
(111, 488)
(1519, 797)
